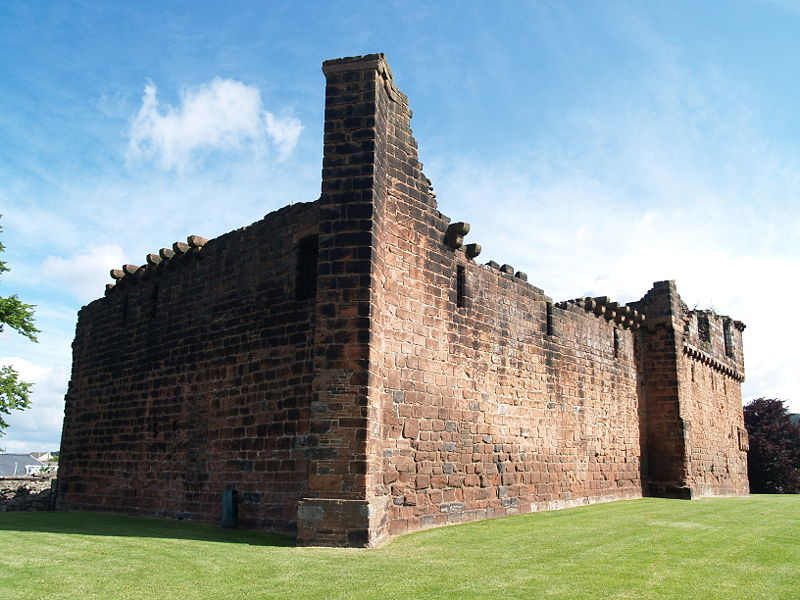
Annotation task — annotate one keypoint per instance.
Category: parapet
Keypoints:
(715, 340)
(602, 306)
(704, 335)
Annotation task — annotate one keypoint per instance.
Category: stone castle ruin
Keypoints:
(350, 370)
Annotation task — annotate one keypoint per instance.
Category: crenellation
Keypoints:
(195, 241)
(155, 262)
(507, 269)
(352, 373)
(621, 314)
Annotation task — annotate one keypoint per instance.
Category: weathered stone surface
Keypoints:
(26, 493)
(472, 250)
(195, 241)
(454, 235)
(195, 380)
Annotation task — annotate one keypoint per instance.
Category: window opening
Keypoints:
(549, 317)
(728, 337)
(616, 342)
(461, 286)
(307, 257)
(703, 330)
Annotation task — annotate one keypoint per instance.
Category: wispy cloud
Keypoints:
(668, 179)
(283, 132)
(84, 274)
(222, 115)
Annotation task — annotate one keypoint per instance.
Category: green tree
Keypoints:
(14, 393)
(773, 462)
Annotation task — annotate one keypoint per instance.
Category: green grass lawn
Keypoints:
(707, 549)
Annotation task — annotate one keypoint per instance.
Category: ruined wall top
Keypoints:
(342, 71)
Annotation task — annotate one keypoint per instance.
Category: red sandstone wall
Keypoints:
(691, 399)
(663, 440)
(193, 377)
(481, 412)
(335, 510)
(711, 372)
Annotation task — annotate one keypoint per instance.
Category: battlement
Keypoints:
(350, 371)
(602, 306)
(714, 335)
(166, 258)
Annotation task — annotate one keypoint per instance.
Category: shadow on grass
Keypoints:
(102, 524)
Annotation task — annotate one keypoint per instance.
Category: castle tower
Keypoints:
(691, 369)
(369, 154)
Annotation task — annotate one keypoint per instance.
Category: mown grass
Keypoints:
(737, 548)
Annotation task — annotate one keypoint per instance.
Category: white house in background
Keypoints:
(17, 465)
(42, 456)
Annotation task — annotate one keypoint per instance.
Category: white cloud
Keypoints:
(284, 132)
(224, 115)
(84, 274)
(39, 427)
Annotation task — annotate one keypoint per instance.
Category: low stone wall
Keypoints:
(26, 493)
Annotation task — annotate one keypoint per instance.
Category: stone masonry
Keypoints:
(353, 373)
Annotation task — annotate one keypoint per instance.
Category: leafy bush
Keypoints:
(774, 455)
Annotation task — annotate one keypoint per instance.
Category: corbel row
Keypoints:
(602, 306)
(454, 238)
(192, 247)
(706, 359)
(508, 270)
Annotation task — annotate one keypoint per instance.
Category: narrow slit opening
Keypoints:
(307, 257)
(728, 337)
(461, 286)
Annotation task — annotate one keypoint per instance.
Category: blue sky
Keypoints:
(597, 146)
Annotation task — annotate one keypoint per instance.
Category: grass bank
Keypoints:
(737, 548)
